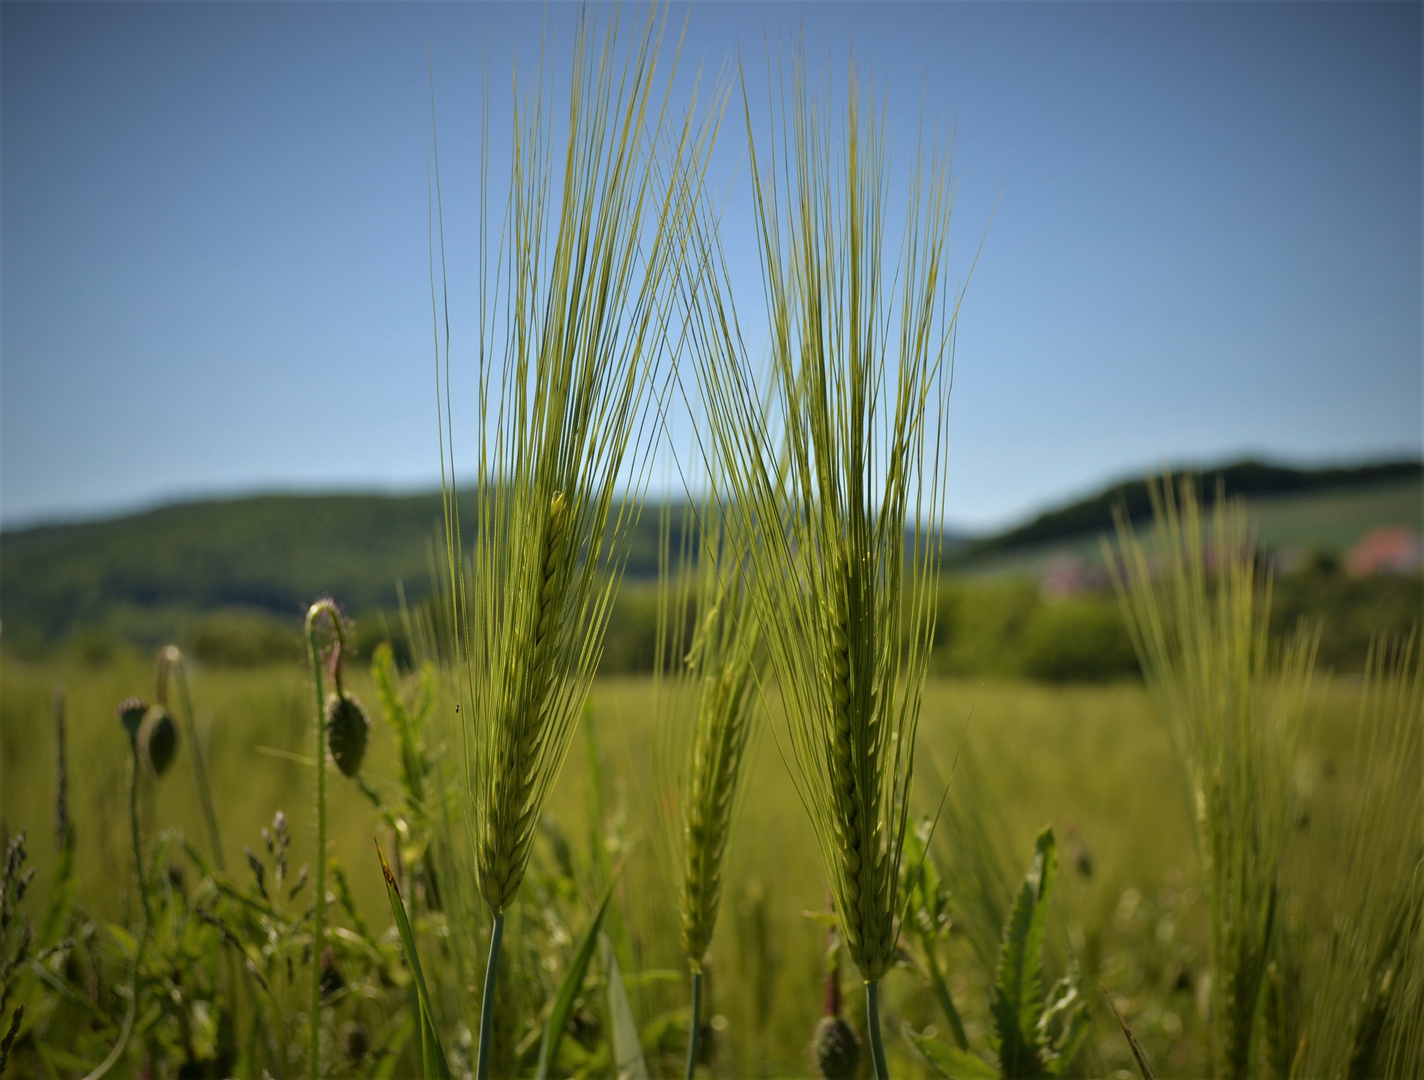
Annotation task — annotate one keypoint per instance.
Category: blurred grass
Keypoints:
(1092, 760)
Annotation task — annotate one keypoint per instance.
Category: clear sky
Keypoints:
(1207, 240)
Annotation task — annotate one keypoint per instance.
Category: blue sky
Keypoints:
(1205, 235)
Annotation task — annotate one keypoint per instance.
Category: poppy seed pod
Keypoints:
(158, 739)
(131, 712)
(347, 729)
(837, 1048)
(356, 1041)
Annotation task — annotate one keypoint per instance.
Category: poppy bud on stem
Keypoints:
(327, 608)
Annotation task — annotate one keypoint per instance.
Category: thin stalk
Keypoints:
(694, 1038)
(872, 1024)
(314, 614)
(487, 1002)
(134, 833)
(108, 1063)
(175, 659)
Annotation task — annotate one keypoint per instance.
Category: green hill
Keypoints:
(1328, 507)
(233, 575)
(1331, 520)
(272, 554)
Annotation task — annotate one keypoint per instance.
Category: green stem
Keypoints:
(134, 832)
(872, 1017)
(200, 765)
(487, 1002)
(695, 1037)
(942, 992)
(108, 1063)
(314, 614)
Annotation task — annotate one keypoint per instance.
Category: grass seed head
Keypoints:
(581, 273)
(836, 466)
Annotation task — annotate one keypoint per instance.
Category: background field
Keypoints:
(1093, 761)
(1035, 715)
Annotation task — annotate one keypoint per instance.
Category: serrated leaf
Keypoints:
(432, 1055)
(947, 1061)
(1018, 985)
(568, 990)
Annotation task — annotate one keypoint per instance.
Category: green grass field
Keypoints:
(1093, 761)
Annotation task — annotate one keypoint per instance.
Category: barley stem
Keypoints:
(694, 1036)
(872, 1023)
(487, 1002)
(314, 614)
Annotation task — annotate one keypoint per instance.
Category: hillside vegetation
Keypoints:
(1250, 480)
(227, 578)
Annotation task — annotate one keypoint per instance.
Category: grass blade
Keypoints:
(432, 1056)
(627, 1047)
(573, 979)
(1147, 1073)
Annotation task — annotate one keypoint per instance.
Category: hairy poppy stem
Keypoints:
(314, 614)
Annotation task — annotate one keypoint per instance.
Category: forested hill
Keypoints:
(1247, 479)
(273, 553)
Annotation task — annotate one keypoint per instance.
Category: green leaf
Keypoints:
(1142, 1064)
(1018, 985)
(948, 1062)
(627, 1048)
(432, 1056)
(568, 990)
(1063, 1025)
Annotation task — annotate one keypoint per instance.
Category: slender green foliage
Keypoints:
(1198, 606)
(927, 916)
(1366, 1013)
(569, 988)
(1143, 1066)
(1038, 1031)
(172, 659)
(432, 1055)
(130, 712)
